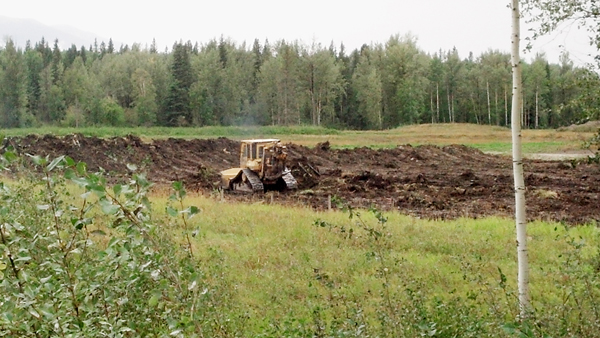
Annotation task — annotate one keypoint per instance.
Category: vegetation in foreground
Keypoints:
(81, 258)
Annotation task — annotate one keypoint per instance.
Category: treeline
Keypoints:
(222, 83)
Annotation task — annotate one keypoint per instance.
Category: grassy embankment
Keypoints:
(486, 138)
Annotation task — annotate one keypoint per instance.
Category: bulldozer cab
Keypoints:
(252, 153)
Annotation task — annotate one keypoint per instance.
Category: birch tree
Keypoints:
(453, 69)
(366, 82)
(521, 225)
(323, 82)
(536, 82)
(550, 15)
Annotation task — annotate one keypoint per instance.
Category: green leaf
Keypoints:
(153, 301)
(10, 156)
(70, 174)
(194, 210)
(177, 185)
(81, 168)
(80, 181)
(48, 314)
(2, 266)
(69, 162)
(117, 189)
(98, 190)
(107, 207)
(54, 163)
(37, 159)
(191, 211)
(34, 313)
(172, 211)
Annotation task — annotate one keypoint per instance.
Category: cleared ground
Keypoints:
(437, 182)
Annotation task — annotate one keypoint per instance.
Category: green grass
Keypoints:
(271, 270)
(281, 263)
(165, 132)
(486, 138)
(528, 147)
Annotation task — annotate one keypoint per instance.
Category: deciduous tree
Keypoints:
(13, 87)
(520, 216)
(323, 82)
(366, 83)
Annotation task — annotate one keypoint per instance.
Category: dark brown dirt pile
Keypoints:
(425, 181)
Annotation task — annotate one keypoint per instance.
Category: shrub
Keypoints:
(95, 264)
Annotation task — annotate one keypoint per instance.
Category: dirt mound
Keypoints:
(425, 181)
(589, 126)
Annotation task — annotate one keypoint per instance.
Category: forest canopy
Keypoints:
(378, 86)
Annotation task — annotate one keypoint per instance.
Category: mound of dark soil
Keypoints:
(425, 181)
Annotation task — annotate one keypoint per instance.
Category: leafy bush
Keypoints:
(95, 264)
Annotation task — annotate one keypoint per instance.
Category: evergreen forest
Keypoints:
(378, 86)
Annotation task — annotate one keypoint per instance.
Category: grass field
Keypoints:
(279, 271)
(486, 138)
(284, 266)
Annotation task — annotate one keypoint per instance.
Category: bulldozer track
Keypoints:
(255, 183)
(290, 181)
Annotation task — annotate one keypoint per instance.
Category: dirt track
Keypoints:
(425, 181)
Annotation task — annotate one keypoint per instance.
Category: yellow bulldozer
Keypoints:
(262, 167)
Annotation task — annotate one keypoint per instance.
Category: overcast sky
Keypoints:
(469, 25)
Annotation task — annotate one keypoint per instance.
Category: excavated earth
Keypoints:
(425, 181)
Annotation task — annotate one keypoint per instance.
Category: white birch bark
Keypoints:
(537, 109)
(505, 107)
(521, 225)
(489, 106)
(437, 101)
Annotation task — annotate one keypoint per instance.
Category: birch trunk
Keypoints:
(537, 109)
(431, 106)
(496, 107)
(489, 107)
(521, 225)
(449, 105)
(505, 107)
(437, 101)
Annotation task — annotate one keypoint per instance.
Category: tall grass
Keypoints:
(286, 268)
(95, 260)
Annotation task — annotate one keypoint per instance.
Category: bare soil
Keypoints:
(425, 181)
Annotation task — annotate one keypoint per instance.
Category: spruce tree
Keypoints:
(57, 63)
(177, 106)
(153, 49)
(111, 47)
(35, 65)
